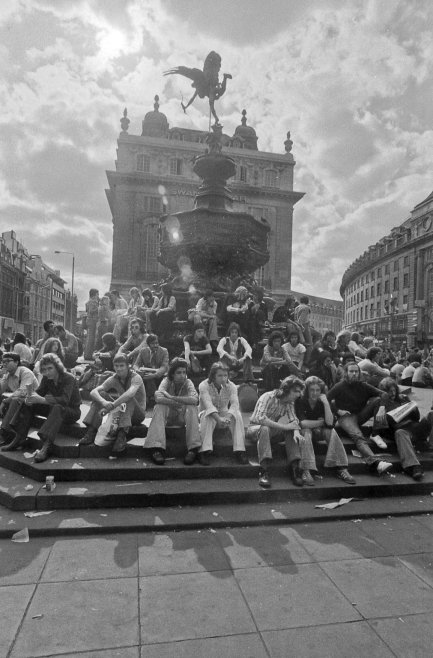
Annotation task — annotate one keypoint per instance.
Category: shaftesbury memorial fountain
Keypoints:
(212, 246)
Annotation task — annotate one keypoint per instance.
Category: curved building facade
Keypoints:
(388, 291)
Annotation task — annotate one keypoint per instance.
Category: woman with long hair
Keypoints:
(19, 346)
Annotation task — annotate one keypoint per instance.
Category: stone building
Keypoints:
(154, 175)
(30, 291)
(388, 290)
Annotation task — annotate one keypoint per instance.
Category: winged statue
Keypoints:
(206, 82)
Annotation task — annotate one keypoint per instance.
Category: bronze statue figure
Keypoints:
(206, 82)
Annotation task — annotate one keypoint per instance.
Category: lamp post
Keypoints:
(70, 253)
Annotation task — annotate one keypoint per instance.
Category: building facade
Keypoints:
(388, 291)
(31, 292)
(154, 175)
(326, 314)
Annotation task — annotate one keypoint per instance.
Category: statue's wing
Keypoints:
(193, 74)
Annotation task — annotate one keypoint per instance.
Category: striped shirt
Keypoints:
(269, 407)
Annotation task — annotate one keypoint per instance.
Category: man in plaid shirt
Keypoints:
(269, 409)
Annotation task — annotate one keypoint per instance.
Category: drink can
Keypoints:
(49, 483)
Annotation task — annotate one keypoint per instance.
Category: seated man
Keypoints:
(370, 367)
(124, 387)
(135, 341)
(317, 420)
(355, 402)
(409, 431)
(164, 313)
(325, 344)
(269, 409)
(49, 327)
(206, 313)
(238, 311)
(176, 404)
(219, 407)
(108, 351)
(407, 374)
(18, 381)
(295, 349)
(57, 398)
(152, 364)
(325, 369)
(421, 377)
(197, 350)
(236, 353)
(276, 363)
(70, 345)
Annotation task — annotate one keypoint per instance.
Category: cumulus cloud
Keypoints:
(352, 81)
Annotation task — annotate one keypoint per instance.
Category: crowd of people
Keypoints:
(314, 388)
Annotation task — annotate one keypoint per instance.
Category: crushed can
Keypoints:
(49, 483)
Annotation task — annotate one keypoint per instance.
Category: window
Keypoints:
(387, 269)
(372, 310)
(378, 289)
(372, 275)
(378, 309)
(405, 299)
(361, 311)
(395, 283)
(379, 272)
(386, 289)
(357, 297)
(242, 173)
(366, 294)
(271, 178)
(176, 166)
(406, 261)
(143, 163)
(406, 281)
(372, 291)
(396, 265)
(366, 278)
(362, 295)
(152, 204)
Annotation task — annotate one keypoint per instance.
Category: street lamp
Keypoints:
(70, 253)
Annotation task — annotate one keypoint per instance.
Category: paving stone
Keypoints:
(234, 646)
(92, 558)
(291, 596)
(23, 563)
(180, 552)
(13, 603)
(189, 606)
(265, 546)
(421, 565)
(401, 535)
(337, 641)
(123, 652)
(79, 616)
(380, 587)
(407, 637)
(337, 541)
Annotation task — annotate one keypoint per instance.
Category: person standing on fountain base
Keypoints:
(92, 307)
(236, 353)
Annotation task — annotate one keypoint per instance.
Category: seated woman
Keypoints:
(124, 387)
(316, 420)
(325, 369)
(19, 346)
(219, 407)
(176, 404)
(409, 431)
(51, 346)
(57, 398)
(205, 313)
(236, 353)
(238, 311)
(108, 351)
(276, 363)
(295, 349)
(164, 312)
(198, 350)
(152, 364)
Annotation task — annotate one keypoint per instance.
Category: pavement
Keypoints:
(337, 589)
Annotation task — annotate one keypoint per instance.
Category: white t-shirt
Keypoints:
(296, 352)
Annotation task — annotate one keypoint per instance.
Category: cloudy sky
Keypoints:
(351, 80)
